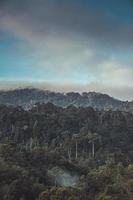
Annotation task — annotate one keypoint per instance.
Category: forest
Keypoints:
(55, 153)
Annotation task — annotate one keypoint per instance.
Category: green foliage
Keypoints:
(60, 193)
(103, 196)
(94, 145)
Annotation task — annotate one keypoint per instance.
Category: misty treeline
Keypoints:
(27, 97)
(95, 145)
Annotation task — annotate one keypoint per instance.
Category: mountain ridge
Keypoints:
(28, 97)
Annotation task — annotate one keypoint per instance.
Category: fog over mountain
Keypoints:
(121, 93)
(29, 97)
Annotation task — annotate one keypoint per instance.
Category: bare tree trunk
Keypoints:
(31, 143)
(55, 181)
(93, 149)
(34, 129)
(69, 154)
(83, 150)
(13, 128)
(76, 156)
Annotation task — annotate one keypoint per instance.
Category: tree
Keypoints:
(103, 196)
(76, 139)
(92, 138)
(60, 193)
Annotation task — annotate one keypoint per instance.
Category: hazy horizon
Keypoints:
(65, 88)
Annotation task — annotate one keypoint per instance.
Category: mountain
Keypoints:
(28, 97)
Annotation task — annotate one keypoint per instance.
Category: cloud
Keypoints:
(37, 19)
(80, 44)
(122, 93)
(115, 72)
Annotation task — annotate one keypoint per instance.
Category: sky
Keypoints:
(67, 45)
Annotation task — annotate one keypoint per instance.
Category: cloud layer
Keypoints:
(86, 45)
(116, 92)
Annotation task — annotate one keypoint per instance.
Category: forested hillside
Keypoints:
(28, 97)
(55, 153)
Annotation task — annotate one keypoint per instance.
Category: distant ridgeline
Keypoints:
(28, 97)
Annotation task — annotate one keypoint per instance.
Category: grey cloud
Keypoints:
(122, 93)
(43, 17)
(69, 39)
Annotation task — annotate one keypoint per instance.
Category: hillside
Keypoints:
(27, 98)
(71, 153)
